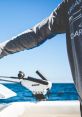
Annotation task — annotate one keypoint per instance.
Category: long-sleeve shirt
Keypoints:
(66, 18)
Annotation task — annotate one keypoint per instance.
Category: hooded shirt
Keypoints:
(66, 18)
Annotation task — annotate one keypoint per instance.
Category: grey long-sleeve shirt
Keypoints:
(37, 34)
(66, 18)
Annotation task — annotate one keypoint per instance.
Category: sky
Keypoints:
(50, 58)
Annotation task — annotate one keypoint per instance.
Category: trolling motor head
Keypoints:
(21, 75)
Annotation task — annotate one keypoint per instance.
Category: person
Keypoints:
(66, 18)
(21, 75)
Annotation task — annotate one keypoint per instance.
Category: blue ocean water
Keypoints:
(59, 91)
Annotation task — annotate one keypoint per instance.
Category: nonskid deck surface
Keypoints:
(6, 92)
(42, 109)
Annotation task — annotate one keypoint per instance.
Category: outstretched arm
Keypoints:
(54, 24)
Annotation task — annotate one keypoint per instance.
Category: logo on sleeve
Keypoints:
(77, 2)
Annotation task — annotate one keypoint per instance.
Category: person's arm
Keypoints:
(54, 24)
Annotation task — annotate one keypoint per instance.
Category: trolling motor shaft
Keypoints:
(41, 75)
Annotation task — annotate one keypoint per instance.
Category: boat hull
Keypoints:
(42, 109)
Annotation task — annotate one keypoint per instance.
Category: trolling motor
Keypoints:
(38, 87)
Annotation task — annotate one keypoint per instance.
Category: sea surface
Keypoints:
(59, 91)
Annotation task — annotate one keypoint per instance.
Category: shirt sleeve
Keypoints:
(49, 27)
